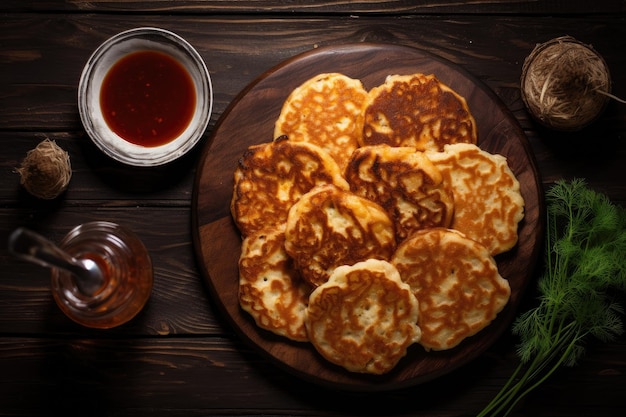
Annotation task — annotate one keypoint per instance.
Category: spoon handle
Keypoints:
(33, 247)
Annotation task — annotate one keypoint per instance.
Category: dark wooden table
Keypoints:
(180, 356)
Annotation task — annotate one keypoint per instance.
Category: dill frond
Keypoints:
(585, 265)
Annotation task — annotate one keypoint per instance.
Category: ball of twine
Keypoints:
(565, 84)
(45, 172)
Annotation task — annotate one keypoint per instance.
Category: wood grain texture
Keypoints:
(325, 7)
(250, 120)
(236, 50)
(180, 356)
(183, 376)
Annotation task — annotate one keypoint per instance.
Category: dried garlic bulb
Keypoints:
(565, 84)
(45, 171)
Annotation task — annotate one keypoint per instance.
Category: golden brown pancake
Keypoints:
(363, 318)
(323, 111)
(488, 204)
(270, 287)
(405, 183)
(329, 227)
(415, 110)
(272, 176)
(456, 282)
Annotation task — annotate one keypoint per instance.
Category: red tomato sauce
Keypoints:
(147, 98)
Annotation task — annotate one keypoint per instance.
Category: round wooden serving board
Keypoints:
(250, 120)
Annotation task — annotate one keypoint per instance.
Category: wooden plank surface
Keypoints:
(218, 377)
(492, 50)
(322, 7)
(179, 357)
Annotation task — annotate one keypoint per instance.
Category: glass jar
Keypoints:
(126, 268)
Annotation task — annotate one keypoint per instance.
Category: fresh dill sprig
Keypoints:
(585, 266)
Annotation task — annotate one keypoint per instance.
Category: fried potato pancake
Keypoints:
(371, 221)
(456, 282)
(415, 110)
(272, 176)
(405, 183)
(323, 111)
(270, 287)
(488, 204)
(329, 227)
(364, 317)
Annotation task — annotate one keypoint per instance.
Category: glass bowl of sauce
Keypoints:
(145, 97)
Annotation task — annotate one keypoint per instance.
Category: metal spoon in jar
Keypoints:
(35, 248)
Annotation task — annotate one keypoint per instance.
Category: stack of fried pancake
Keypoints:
(371, 222)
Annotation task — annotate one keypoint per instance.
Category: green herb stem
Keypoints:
(584, 265)
(512, 393)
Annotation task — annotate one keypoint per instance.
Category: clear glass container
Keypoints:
(126, 267)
